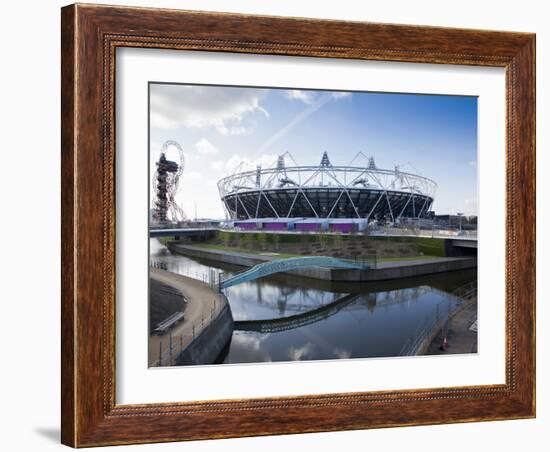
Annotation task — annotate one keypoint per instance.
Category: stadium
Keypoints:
(324, 196)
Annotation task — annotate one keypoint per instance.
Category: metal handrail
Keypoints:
(169, 356)
(283, 265)
(411, 347)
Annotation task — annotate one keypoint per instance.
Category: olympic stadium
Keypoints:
(287, 196)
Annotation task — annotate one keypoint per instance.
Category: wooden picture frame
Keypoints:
(90, 36)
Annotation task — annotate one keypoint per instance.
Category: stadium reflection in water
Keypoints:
(375, 321)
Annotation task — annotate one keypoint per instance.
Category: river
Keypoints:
(377, 321)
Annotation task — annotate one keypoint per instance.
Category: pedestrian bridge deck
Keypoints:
(292, 263)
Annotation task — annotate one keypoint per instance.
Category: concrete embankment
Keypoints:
(460, 332)
(209, 343)
(383, 270)
(206, 329)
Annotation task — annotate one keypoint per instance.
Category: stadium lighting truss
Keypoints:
(326, 191)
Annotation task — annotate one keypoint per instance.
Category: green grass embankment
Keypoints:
(425, 245)
(211, 246)
(385, 248)
(231, 249)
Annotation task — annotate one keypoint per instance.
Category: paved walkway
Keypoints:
(461, 334)
(203, 304)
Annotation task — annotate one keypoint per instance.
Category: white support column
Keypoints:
(335, 204)
(314, 211)
(258, 205)
(226, 211)
(292, 204)
(405, 206)
(345, 189)
(375, 204)
(271, 205)
(352, 204)
(422, 209)
(389, 205)
(244, 207)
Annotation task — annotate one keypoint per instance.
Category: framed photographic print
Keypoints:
(282, 225)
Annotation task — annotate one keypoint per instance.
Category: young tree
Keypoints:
(276, 241)
(261, 241)
(226, 237)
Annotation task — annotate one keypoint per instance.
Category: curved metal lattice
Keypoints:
(326, 191)
(283, 265)
(166, 180)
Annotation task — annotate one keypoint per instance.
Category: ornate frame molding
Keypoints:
(90, 37)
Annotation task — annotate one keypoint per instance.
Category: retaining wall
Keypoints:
(390, 271)
(207, 346)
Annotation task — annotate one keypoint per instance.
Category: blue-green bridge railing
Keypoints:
(292, 263)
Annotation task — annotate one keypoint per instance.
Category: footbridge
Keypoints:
(298, 320)
(291, 263)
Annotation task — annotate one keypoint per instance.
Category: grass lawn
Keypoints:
(234, 249)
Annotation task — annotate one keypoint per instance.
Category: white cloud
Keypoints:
(340, 353)
(155, 146)
(340, 95)
(470, 207)
(217, 165)
(308, 97)
(204, 147)
(234, 130)
(193, 175)
(298, 353)
(265, 160)
(222, 108)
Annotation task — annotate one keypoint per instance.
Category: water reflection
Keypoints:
(376, 322)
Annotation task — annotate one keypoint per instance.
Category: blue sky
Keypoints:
(220, 127)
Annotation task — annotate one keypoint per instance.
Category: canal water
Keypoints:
(291, 318)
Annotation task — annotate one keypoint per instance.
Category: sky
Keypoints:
(221, 127)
